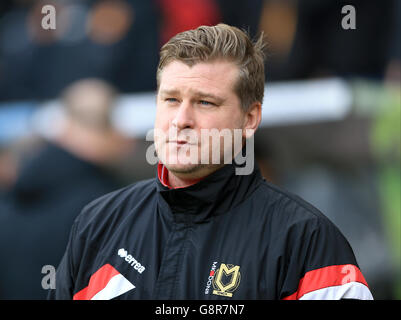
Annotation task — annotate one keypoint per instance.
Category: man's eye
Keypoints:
(206, 103)
(171, 100)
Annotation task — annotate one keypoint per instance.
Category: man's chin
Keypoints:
(179, 168)
(192, 171)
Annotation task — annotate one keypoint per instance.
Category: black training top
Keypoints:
(226, 237)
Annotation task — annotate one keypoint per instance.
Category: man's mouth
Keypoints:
(179, 142)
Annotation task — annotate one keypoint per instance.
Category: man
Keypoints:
(200, 230)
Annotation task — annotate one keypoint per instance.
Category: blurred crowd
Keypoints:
(101, 49)
(117, 40)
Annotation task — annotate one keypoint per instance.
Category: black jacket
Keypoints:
(226, 237)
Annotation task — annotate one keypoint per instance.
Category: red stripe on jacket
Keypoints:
(327, 277)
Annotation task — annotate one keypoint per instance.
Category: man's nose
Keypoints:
(184, 118)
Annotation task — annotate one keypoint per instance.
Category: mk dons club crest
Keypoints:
(226, 280)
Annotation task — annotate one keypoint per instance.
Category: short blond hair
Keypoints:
(208, 43)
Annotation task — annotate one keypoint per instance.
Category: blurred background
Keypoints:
(77, 101)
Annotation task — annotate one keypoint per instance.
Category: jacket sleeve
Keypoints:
(321, 264)
(65, 271)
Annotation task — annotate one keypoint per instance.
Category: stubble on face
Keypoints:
(214, 79)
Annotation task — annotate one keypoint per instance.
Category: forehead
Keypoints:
(218, 76)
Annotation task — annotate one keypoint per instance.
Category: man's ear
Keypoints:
(252, 119)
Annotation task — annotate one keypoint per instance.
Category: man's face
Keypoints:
(190, 100)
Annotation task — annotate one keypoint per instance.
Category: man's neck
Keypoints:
(180, 182)
(175, 180)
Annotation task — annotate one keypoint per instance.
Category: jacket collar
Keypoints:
(213, 195)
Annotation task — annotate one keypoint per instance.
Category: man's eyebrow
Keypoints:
(205, 95)
(169, 91)
(198, 94)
